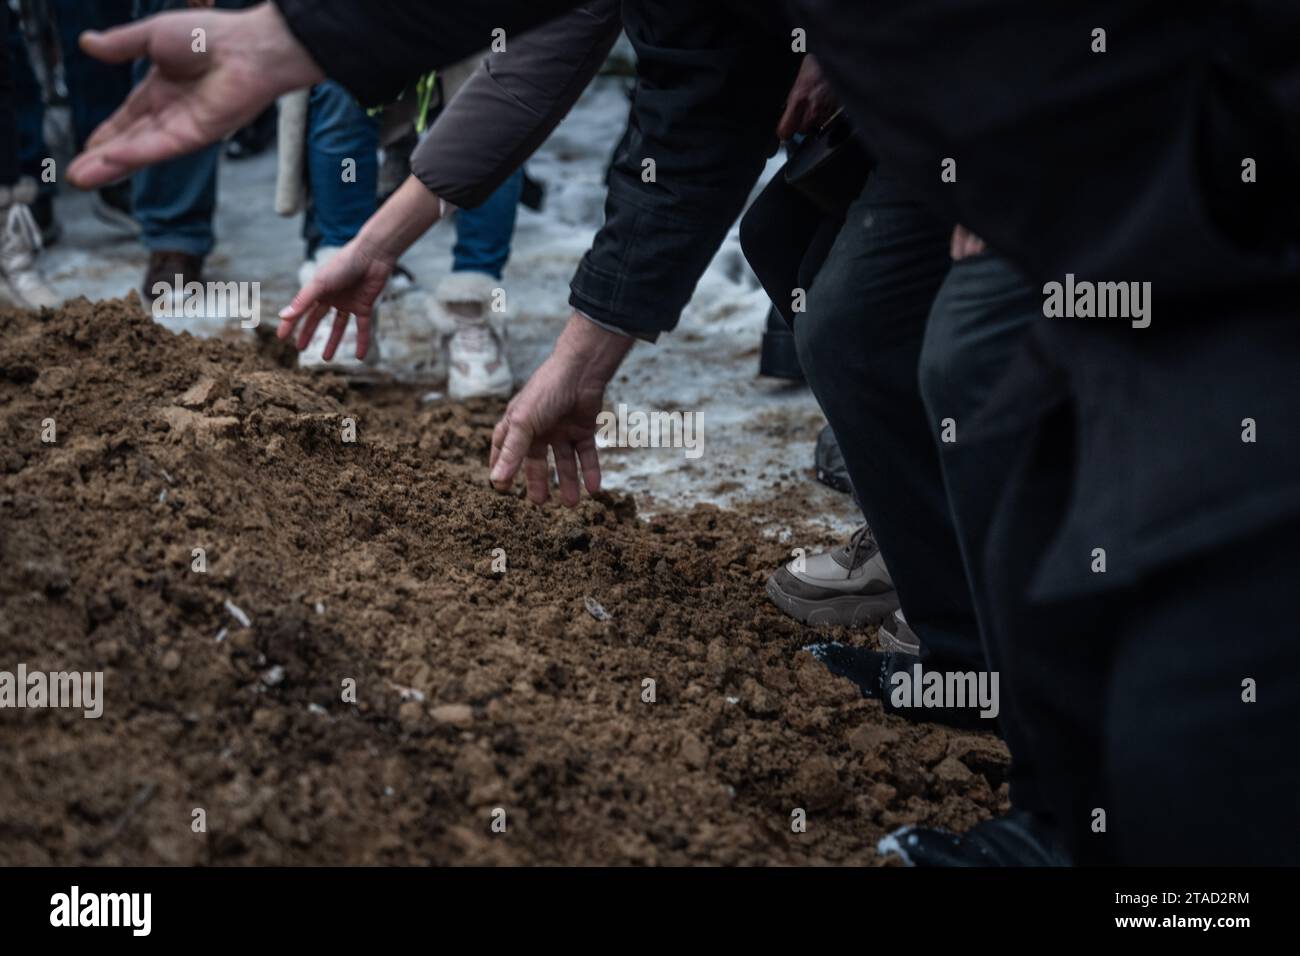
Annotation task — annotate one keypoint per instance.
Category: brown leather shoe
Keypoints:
(164, 266)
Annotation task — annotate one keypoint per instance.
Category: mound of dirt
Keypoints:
(345, 674)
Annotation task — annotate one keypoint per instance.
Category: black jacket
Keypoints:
(1117, 166)
(712, 80)
(711, 87)
(1122, 165)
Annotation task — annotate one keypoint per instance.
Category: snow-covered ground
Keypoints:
(757, 432)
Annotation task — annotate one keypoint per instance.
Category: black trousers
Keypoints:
(1130, 704)
(859, 345)
(786, 238)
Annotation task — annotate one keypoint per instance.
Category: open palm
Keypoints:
(212, 72)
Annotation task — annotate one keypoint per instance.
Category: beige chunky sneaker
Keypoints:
(895, 635)
(849, 586)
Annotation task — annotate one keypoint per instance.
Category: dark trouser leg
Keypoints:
(1195, 775)
(95, 89)
(859, 345)
(1127, 699)
(1131, 703)
(785, 239)
(1051, 660)
(175, 201)
(979, 320)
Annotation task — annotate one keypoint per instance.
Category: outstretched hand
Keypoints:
(212, 72)
(557, 410)
(348, 285)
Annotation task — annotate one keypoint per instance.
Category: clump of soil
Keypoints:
(371, 564)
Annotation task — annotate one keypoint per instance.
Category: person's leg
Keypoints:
(478, 363)
(174, 202)
(29, 105)
(1202, 768)
(95, 89)
(20, 238)
(342, 143)
(484, 234)
(1051, 659)
(33, 150)
(342, 163)
(859, 344)
(979, 321)
(785, 238)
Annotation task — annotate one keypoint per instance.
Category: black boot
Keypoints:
(1017, 839)
(779, 359)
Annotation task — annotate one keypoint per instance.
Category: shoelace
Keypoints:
(855, 544)
(22, 237)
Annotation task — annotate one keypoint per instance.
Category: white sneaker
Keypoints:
(478, 364)
(345, 360)
(19, 245)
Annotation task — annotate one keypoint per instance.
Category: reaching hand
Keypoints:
(964, 243)
(212, 73)
(809, 104)
(349, 284)
(557, 409)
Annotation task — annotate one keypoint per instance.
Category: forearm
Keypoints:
(407, 215)
(594, 354)
(512, 103)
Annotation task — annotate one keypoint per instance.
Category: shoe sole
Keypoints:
(851, 610)
(459, 394)
(891, 642)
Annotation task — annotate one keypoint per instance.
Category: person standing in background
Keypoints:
(20, 241)
(95, 90)
(175, 201)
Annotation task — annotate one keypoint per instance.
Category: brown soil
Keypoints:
(372, 561)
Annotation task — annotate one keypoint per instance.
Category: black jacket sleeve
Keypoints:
(711, 88)
(512, 102)
(376, 48)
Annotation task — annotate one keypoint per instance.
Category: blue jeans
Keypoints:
(174, 201)
(338, 130)
(483, 234)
